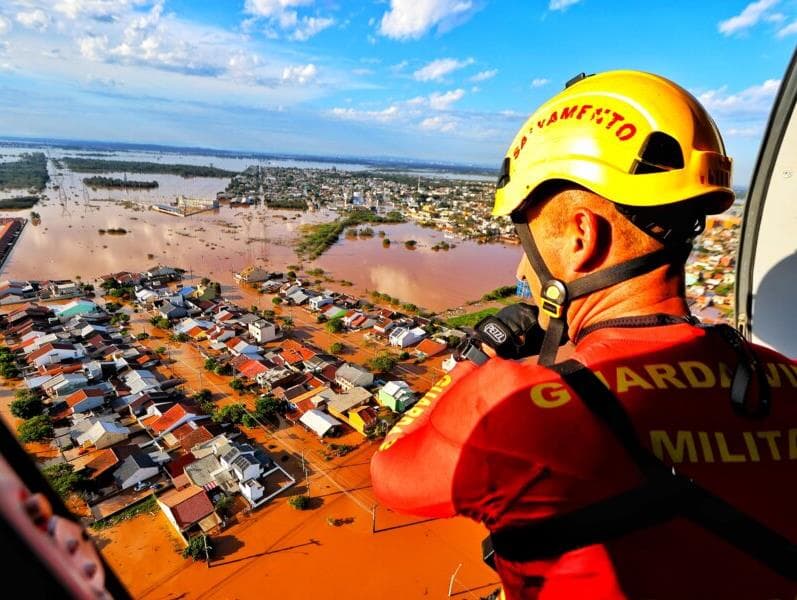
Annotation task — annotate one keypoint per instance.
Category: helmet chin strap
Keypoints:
(556, 295)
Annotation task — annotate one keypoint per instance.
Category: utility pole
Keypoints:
(306, 478)
(207, 553)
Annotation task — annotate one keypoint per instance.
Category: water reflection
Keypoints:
(67, 242)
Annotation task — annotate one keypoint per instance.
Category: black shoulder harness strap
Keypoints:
(664, 495)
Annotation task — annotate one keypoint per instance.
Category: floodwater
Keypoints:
(67, 242)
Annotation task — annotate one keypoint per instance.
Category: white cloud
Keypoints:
(789, 29)
(95, 8)
(744, 132)
(750, 16)
(444, 101)
(484, 75)
(300, 74)
(439, 123)
(391, 113)
(411, 19)
(362, 72)
(94, 47)
(561, 4)
(271, 8)
(281, 14)
(775, 18)
(539, 82)
(437, 69)
(33, 19)
(5, 25)
(309, 26)
(754, 100)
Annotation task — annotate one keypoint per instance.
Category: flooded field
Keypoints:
(68, 241)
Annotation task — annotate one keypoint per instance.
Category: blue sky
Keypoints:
(433, 79)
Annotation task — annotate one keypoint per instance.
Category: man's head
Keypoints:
(579, 232)
(610, 180)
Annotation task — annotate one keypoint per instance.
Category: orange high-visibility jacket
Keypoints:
(509, 443)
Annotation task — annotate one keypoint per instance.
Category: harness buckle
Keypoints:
(553, 298)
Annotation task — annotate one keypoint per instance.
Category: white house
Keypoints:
(252, 490)
(54, 353)
(104, 434)
(241, 459)
(140, 381)
(404, 336)
(135, 468)
(85, 399)
(238, 347)
(64, 384)
(319, 302)
(263, 331)
(349, 376)
(319, 422)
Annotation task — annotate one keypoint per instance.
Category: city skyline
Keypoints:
(446, 80)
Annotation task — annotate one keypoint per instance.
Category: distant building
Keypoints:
(396, 395)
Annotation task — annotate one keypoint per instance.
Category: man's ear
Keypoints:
(589, 239)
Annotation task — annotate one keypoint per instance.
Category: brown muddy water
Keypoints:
(67, 243)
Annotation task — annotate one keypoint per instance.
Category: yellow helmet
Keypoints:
(634, 138)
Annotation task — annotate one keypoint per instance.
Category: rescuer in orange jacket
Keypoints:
(657, 462)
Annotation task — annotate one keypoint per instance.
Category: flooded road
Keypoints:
(68, 242)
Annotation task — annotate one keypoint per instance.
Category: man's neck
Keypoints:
(647, 294)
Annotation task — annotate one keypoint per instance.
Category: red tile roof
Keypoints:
(170, 417)
(233, 342)
(199, 435)
(367, 414)
(183, 430)
(176, 466)
(195, 331)
(430, 347)
(188, 505)
(81, 395)
(103, 461)
(252, 368)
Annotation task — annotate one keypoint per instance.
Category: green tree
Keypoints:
(299, 502)
(224, 369)
(203, 395)
(238, 385)
(335, 325)
(8, 363)
(120, 318)
(276, 300)
(383, 362)
(224, 505)
(35, 429)
(64, 479)
(198, 548)
(211, 364)
(337, 348)
(142, 336)
(268, 407)
(249, 421)
(26, 405)
(232, 413)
